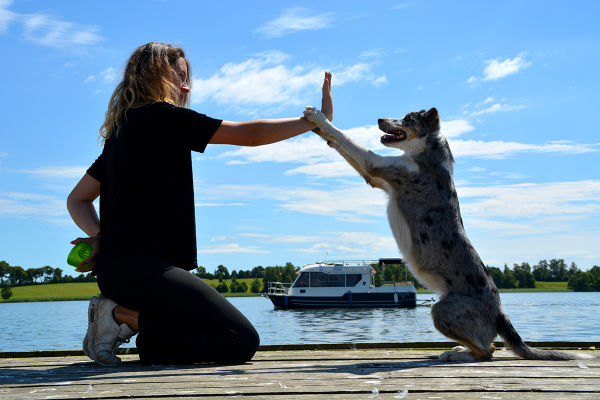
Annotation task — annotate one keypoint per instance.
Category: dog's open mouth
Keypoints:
(392, 135)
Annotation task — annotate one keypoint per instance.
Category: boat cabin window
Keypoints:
(353, 279)
(321, 279)
(302, 280)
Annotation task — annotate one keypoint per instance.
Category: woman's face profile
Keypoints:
(180, 79)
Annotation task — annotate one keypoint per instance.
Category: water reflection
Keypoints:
(338, 325)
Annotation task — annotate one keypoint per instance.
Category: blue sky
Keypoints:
(514, 83)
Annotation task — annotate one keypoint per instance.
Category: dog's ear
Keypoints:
(432, 119)
(431, 114)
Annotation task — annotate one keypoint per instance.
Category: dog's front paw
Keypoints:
(315, 116)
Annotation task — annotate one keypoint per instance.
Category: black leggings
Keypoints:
(182, 318)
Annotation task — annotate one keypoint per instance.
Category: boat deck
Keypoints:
(392, 371)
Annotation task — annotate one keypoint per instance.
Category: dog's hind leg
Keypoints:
(460, 318)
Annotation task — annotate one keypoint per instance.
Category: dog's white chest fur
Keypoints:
(399, 226)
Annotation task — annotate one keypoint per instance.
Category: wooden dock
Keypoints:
(344, 371)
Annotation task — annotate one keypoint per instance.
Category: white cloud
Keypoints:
(67, 172)
(401, 6)
(111, 76)
(360, 202)
(50, 31)
(6, 16)
(294, 20)
(496, 69)
(231, 248)
(499, 69)
(201, 204)
(334, 169)
(498, 149)
(335, 244)
(17, 204)
(373, 53)
(529, 200)
(455, 128)
(264, 80)
(498, 108)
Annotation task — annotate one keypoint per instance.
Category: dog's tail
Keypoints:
(515, 343)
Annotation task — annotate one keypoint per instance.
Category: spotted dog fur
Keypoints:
(424, 216)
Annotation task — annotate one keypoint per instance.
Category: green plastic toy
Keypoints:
(81, 251)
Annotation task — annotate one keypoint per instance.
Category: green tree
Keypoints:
(508, 279)
(523, 275)
(17, 276)
(257, 272)
(33, 274)
(558, 270)
(288, 273)
(255, 286)
(497, 276)
(200, 271)
(238, 287)
(222, 287)
(541, 272)
(582, 282)
(595, 272)
(4, 270)
(6, 292)
(47, 274)
(222, 273)
(572, 270)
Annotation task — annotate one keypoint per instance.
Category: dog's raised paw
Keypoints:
(315, 116)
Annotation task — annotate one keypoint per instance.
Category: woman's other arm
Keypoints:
(82, 210)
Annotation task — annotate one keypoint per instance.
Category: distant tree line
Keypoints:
(262, 276)
(556, 270)
(519, 276)
(18, 276)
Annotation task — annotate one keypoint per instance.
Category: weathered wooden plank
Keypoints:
(282, 388)
(388, 354)
(304, 375)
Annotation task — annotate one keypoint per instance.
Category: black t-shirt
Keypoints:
(147, 217)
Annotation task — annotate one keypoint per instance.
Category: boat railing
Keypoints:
(353, 263)
(407, 283)
(278, 288)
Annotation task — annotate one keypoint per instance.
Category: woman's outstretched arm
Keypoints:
(266, 131)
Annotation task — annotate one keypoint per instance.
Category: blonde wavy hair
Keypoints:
(148, 77)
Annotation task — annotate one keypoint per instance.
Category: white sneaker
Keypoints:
(88, 339)
(107, 335)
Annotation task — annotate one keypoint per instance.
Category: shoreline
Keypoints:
(84, 291)
(420, 291)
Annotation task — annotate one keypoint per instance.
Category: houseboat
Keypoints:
(340, 284)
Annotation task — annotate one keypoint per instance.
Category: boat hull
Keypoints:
(348, 300)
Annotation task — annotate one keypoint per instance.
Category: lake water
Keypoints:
(564, 316)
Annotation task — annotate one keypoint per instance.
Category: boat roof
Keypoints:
(337, 268)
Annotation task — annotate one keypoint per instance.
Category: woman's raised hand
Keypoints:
(326, 101)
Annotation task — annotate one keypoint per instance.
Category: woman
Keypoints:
(145, 243)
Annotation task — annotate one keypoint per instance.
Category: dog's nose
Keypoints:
(380, 120)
